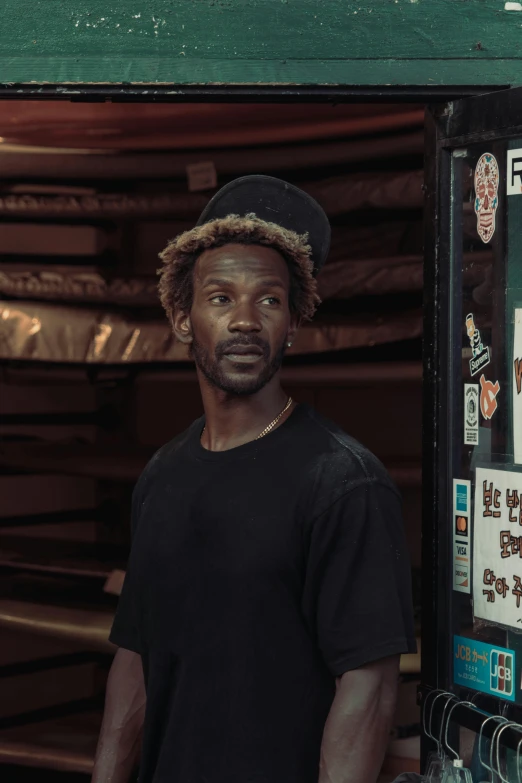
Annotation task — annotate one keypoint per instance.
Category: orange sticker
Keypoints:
(488, 397)
(462, 525)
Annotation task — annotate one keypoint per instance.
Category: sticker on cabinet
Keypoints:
(497, 547)
(488, 397)
(479, 351)
(471, 414)
(517, 388)
(461, 536)
(486, 195)
(514, 172)
(484, 667)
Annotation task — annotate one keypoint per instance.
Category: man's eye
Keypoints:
(272, 300)
(220, 299)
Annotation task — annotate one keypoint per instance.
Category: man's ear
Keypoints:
(295, 323)
(182, 327)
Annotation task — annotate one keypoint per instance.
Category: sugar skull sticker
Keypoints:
(486, 195)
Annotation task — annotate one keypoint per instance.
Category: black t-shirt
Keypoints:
(256, 576)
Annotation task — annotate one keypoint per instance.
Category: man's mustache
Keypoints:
(227, 346)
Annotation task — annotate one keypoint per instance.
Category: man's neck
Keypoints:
(232, 419)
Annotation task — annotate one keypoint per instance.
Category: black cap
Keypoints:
(274, 201)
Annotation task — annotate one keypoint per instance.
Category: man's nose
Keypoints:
(245, 318)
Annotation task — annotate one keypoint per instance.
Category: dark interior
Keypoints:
(92, 381)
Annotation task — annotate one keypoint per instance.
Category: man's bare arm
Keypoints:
(120, 734)
(357, 730)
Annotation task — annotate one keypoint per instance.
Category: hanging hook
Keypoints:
(500, 720)
(498, 731)
(458, 704)
(452, 698)
(424, 724)
(478, 695)
(494, 738)
(518, 761)
(438, 741)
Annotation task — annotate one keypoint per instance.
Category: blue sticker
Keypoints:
(461, 499)
(484, 667)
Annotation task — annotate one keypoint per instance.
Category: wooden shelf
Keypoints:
(60, 558)
(25, 162)
(66, 744)
(90, 627)
(71, 334)
(69, 744)
(75, 459)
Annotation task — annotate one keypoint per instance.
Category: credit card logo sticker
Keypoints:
(501, 672)
(461, 576)
(461, 526)
(461, 500)
(461, 535)
(483, 667)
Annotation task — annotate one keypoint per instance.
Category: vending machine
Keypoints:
(472, 521)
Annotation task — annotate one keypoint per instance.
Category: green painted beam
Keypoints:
(421, 42)
(153, 70)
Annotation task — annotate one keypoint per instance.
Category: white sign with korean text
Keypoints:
(497, 547)
(517, 388)
(514, 173)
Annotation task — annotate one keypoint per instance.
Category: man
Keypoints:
(267, 597)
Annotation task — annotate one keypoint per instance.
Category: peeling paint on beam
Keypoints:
(261, 41)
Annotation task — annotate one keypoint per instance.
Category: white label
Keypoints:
(201, 176)
(497, 543)
(461, 535)
(471, 414)
(514, 172)
(516, 369)
(462, 549)
(461, 576)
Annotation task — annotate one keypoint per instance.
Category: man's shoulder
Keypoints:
(338, 460)
(164, 456)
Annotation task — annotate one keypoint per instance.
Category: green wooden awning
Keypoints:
(270, 42)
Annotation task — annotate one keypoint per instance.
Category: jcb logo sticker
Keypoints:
(484, 667)
(501, 672)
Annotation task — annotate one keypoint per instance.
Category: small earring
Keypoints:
(289, 345)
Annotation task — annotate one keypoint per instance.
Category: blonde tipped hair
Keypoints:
(176, 286)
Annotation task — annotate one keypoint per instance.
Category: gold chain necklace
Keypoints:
(272, 423)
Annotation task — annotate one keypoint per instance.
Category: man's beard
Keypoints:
(211, 367)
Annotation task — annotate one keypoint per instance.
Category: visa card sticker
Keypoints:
(484, 667)
(461, 535)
